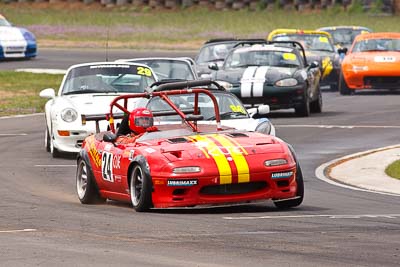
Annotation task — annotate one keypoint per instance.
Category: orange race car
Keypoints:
(373, 62)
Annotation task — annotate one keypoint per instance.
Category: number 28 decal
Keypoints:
(143, 71)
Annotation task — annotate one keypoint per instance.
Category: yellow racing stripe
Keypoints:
(237, 156)
(225, 172)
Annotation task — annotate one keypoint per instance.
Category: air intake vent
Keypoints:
(177, 140)
(237, 135)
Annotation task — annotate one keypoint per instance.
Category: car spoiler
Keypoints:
(174, 84)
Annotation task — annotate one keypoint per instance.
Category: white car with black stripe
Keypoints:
(276, 74)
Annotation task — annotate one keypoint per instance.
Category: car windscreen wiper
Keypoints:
(88, 91)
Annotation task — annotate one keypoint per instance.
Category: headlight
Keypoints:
(191, 169)
(264, 127)
(29, 36)
(224, 84)
(286, 82)
(69, 115)
(275, 162)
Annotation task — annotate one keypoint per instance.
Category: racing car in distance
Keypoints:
(186, 165)
(373, 62)
(343, 36)
(16, 42)
(276, 74)
(167, 68)
(87, 89)
(215, 51)
(319, 47)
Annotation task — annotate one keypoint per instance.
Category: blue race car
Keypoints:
(16, 42)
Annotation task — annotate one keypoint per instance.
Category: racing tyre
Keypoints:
(290, 203)
(86, 187)
(343, 88)
(47, 140)
(316, 105)
(140, 188)
(304, 109)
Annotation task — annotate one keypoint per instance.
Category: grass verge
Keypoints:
(393, 170)
(19, 91)
(65, 24)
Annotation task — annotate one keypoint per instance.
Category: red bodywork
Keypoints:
(230, 165)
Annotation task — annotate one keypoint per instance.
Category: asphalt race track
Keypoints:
(42, 222)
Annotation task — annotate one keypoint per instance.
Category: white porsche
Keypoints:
(88, 89)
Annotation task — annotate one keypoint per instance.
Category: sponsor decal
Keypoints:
(289, 56)
(109, 66)
(281, 175)
(94, 154)
(189, 182)
(384, 59)
(326, 66)
(150, 150)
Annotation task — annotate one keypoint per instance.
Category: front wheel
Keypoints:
(86, 188)
(316, 105)
(140, 188)
(47, 140)
(290, 203)
(304, 109)
(343, 88)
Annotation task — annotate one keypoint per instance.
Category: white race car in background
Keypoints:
(16, 42)
(88, 89)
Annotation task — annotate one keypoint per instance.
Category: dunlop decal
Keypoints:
(95, 155)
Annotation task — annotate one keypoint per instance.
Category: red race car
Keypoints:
(184, 164)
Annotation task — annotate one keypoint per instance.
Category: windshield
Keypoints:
(345, 36)
(215, 52)
(106, 78)
(244, 58)
(169, 69)
(4, 22)
(310, 42)
(229, 106)
(377, 45)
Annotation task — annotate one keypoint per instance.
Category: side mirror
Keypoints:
(213, 66)
(342, 50)
(109, 137)
(260, 110)
(314, 65)
(47, 93)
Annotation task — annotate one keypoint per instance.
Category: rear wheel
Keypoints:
(290, 203)
(343, 88)
(86, 188)
(140, 188)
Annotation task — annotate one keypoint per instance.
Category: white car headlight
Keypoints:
(69, 114)
(275, 162)
(286, 82)
(191, 169)
(264, 127)
(224, 84)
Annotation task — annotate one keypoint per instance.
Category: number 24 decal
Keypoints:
(107, 166)
(144, 71)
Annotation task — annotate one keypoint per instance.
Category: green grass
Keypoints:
(183, 28)
(19, 91)
(393, 170)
